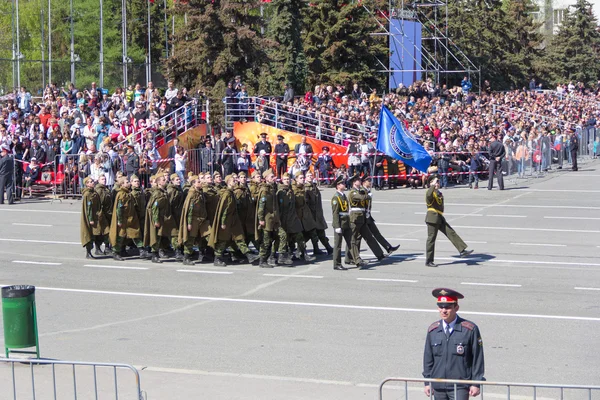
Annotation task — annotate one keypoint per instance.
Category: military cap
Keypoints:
(87, 180)
(192, 178)
(130, 145)
(280, 137)
(339, 179)
(173, 176)
(242, 174)
(353, 178)
(255, 173)
(433, 178)
(152, 177)
(230, 140)
(268, 173)
(298, 173)
(325, 148)
(263, 134)
(446, 296)
(217, 173)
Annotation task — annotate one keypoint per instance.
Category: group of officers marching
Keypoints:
(208, 218)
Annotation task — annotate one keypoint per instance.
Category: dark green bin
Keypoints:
(19, 318)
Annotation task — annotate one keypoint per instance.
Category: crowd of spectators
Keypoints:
(82, 132)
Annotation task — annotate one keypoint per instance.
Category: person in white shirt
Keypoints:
(171, 91)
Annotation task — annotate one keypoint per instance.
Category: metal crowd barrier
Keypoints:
(505, 390)
(51, 379)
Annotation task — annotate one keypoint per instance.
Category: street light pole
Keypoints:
(49, 42)
(72, 45)
(124, 38)
(149, 58)
(18, 54)
(42, 48)
(101, 44)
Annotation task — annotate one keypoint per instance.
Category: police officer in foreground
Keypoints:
(436, 222)
(453, 350)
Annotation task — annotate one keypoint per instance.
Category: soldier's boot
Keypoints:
(264, 264)
(145, 254)
(187, 260)
(200, 256)
(316, 250)
(88, 251)
(219, 262)
(307, 257)
(117, 256)
(285, 259)
(252, 257)
(98, 252)
(156, 258)
(178, 254)
(272, 261)
(162, 253)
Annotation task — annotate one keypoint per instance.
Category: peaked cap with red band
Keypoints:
(445, 295)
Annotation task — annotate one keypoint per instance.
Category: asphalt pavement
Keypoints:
(308, 332)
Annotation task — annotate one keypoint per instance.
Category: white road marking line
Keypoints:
(316, 305)
(36, 262)
(41, 225)
(489, 284)
(506, 216)
(482, 260)
(470, 241)
(113, 267)
(386, 280)
(502, 228)
(539, 244)
(40, 211)
(586, 288)
(38, 241)
(295, 276)
(453, 214)
(491, 205)
(561, 190)
(206, 272)
(572, 218)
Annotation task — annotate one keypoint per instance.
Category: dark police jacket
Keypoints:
(460, 356)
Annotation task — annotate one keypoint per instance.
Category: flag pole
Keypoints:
(149, 58)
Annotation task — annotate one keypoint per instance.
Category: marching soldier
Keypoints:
(371, 222)
(218, 181)
(315, 203)
(125, 223)
(176, 200)
(358, 222)
(159, 222)
(139, 199)
(211, 196)
(194, 225)
(290, 230)
(106, 203)
(340, 208)
(90, 224)
(308, 223)
(246, 209)
(436, 222)
(453, 350)
(226, 226)
(267, 216)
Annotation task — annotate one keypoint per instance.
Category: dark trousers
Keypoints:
(574, 159)
(496, 168)
(346, 235)
(446, 229)
(378, 182)
(461, 394)
(377, 235)
(281, 167)
(6, 184)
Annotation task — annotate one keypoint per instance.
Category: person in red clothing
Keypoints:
(45, 117)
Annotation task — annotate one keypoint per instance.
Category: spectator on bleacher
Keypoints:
(181, 163)
(37, 152)
(171, 155)
(24, 100)
(325, 166)
(66, 146)
(288, 94)
(304, 153)
(31, 174)
(171, 91)
(207, 157)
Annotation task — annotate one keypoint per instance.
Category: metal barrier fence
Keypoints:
(506, 390)
(51, 379)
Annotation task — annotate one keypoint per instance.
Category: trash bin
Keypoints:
(19, 318)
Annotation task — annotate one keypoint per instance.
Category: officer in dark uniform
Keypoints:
(340, 208)
(282, 150)
(453, 350)
(263, 145)
(393, 171)
(497, 153)
(436, 222)
(574, 148)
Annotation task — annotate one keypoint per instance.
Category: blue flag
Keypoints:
(395, 142)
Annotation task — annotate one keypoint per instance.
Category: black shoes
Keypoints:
(156, 259)
(340, 268)
(465, 253)
(252, 257)
(392, 249)
(361, 264)
(187, 260)
(117, 257)
(430, 264)
(219, 262)
(318, 252)
(264, 264)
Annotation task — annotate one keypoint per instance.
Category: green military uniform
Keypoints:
(139, 200)
(358, 223)
(125, 214)
(194, 214)
(106, 204)
(158, 211)
(254, 188)
(227, 215)
(315, 204)
(371, 224)
(436, 222)
(340, 208)
(246, 210)
(290, 230)
(267, 210)
(176, 200)
(90, 212)
(308, 223)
